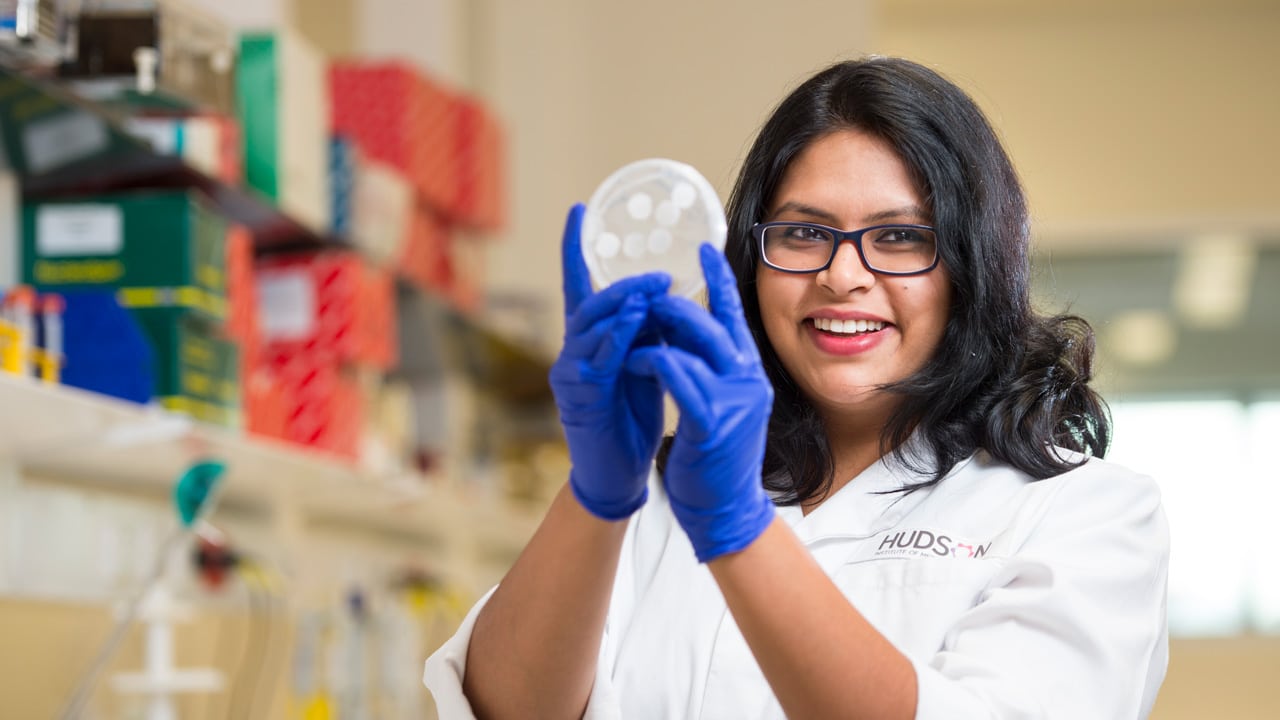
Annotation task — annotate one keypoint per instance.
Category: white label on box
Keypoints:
(63, 230)
(63, 139)
(288, 307)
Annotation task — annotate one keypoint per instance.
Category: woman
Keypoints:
(879, 501)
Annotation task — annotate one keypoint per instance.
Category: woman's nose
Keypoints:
(846, 273)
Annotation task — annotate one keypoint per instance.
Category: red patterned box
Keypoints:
(309, 305)
(469, 258)
(311, 403)
(400, 117)
(264, 400)
(331, 307)
(437, 261)
(379, 337)
(424, 258)
(242, 292)
(481, 201)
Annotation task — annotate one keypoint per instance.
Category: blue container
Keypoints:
(106, 351)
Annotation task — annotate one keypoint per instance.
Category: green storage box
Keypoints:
(196, 371)
(282, 101)
(160, 249)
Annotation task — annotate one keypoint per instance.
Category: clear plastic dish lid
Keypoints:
(652, 215)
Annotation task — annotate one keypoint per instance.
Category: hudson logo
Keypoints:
(925, 543)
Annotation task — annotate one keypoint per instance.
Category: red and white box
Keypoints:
(379, 335)
(309, 305)
(313, 403)
(242, 293)
(400, 117)
(481, 190)
(424, 258)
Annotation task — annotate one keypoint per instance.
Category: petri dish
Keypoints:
(652, 215)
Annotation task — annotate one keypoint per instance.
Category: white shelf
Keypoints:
(71, 435)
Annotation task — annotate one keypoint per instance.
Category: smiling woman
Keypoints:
(884, 497)
(850, 178)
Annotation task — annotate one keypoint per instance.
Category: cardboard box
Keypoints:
(309, 402)
(373, 203)
(425, 257)
(378, 329)
(196, 371)
(400, 117)
(330, 307)
(481, 190)
(210, 144)
(310, 305)
(161, 249)
(283, 93)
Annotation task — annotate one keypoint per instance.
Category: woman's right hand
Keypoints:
(612, 419)
(711, 367)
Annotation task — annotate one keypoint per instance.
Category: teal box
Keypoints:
(196, 371)
(158, 249)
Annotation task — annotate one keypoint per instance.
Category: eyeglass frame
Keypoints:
(841, 237)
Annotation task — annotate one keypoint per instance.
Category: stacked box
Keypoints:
(324, 315)
(282, 89)
(167, 256)
(401, 118)
(468, 259)
(209, 143)
(196, 372)
(450, 149)
(311, 305)
(242, 324)
(162, 249)
(425, 258)
(379, 329)
(330, 306)
(481, 199)
(39, 134)
(342, 181)
(264, 400)
(372, 203)
(320, 405)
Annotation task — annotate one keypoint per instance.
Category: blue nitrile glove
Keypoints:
(612, 419)
(712, 369)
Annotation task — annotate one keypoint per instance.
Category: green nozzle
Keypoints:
(194, 488)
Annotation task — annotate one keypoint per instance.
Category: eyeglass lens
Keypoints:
(897, 249)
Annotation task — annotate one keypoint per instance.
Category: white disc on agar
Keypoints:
(652, 215)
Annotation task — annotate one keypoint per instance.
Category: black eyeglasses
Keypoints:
(799, 247)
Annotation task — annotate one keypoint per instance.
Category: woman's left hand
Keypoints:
(712, 369)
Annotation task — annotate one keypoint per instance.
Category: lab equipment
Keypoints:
(652, 215)
(193, 498)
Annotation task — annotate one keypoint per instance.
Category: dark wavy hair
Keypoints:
(1004, 378)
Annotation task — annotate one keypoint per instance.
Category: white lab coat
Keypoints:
(1012, 598)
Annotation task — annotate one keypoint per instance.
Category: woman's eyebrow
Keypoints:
(802, 209)
(912, 212)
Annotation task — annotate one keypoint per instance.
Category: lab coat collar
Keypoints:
(868, 504)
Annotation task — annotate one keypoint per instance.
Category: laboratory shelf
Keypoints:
(64, 145)
(67, 435)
